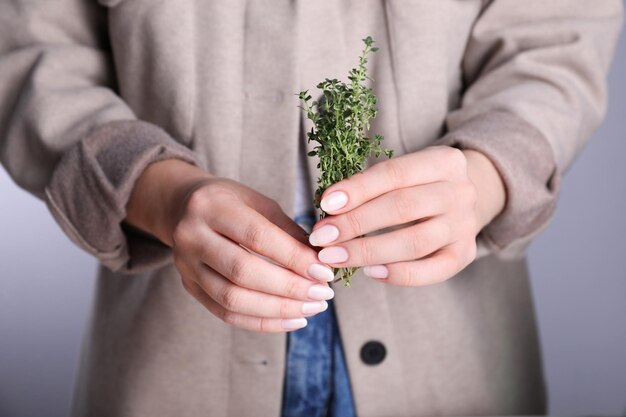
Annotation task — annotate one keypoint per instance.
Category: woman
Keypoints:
(165, 135)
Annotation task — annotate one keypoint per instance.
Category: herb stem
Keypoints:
(340, 125)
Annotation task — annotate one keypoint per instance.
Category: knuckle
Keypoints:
(455, 160)
(292, 257)
(404, 206)
(366, 251)
(208, 200)
(292, 288)
(274, 206)
(409, 276)
(395, 172)
(285, 309)
(220, 191)
(455, 155)
(196, 202)
(182, 236)
(354, 222)
(416, 245)
(238, 270)
(229, 298)
(254, 236)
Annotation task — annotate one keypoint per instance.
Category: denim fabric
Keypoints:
(316, 377)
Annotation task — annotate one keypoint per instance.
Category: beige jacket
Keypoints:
(91, 92)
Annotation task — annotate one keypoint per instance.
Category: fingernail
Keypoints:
(321, 292)
(323, 235)
(376, 271)
(293, 324)
(320, 272)
(334, 201)
(311, 308)
(333, 255)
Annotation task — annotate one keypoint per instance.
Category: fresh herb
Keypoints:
(341, 119)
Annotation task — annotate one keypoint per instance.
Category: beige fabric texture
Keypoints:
(92, 92)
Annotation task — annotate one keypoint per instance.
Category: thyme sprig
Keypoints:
(341, 119)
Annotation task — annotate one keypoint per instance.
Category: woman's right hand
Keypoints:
(209, 222)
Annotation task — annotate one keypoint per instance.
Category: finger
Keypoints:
(394, 208)
(257, 233)
(250, 302)
(406, 244)
(272, 211)
(259, 324)
(429, 165)
(433, 269)
(250, 271)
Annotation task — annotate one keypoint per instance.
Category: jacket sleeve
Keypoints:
(67, 137)
(535, 75)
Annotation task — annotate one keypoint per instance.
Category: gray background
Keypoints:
(578, 267)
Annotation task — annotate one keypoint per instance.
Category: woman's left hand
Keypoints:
(445, 195)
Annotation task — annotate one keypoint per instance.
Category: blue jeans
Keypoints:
(316, 378)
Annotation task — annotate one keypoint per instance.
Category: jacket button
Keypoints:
(373, 352)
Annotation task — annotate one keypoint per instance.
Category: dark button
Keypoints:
(373, 352)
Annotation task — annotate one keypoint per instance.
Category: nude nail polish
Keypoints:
(333, 255)
(320, 292)
(376, 271)
(321, 272)
(314, 307)
(324, 235)
(293, 324)
(334, 201)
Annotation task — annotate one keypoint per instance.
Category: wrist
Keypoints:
(154, 203)
(491, 192)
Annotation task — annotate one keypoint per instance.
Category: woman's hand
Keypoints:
(445, 195)
(208, 221)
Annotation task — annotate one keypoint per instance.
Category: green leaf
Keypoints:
(341, 122)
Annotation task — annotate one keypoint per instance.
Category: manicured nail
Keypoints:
(376, 271)
(293, 324)
(321, 292)
(314, 308)
(333, 255)
(321, 272)
(334, 201)
(323, 235)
